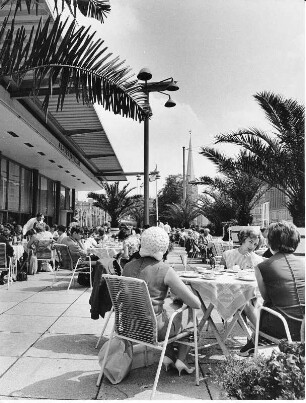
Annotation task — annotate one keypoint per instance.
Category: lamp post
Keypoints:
(165, 85)
(157, 177)
(138, 179)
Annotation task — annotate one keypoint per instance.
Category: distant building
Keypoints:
(89, 215)
(271, 208)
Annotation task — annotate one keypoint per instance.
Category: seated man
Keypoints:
(73, 241)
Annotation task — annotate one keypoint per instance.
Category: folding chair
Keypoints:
(217, 249)
(4, 265)
(65, 258)
(267, 349)
(135, 320)
(43, 251)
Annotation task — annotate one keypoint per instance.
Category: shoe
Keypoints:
(248, 349)
(181, 366)
(168, 362)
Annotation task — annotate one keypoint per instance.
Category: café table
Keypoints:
(227, 294)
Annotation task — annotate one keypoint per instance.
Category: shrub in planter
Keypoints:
(279, 377)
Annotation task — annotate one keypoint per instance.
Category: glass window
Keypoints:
(63, 198)
(3, 183)
(51, 198)
(13, 186)
(43, 208)
(26, 190)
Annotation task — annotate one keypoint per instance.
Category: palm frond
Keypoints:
(77, 63)
(97, 9)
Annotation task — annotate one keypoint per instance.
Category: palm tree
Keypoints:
(63, 59)
(181, 214)
(115, 202)
(277, 159)
(236, 193)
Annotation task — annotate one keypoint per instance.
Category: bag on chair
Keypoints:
(119, 359)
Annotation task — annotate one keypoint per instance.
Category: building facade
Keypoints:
(46, 157)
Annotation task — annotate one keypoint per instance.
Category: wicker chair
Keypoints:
(135, 320)
(65, 258)
(267, 349)
(5, 265)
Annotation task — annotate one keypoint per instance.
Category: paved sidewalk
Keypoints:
(47, 349)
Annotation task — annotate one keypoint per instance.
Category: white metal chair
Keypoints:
(135, 320)
(6, 264)
(43, 251)
(267, 349)
(65, 258)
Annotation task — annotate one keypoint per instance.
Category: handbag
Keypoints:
(119, 359)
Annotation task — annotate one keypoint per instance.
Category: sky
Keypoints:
(221, 52)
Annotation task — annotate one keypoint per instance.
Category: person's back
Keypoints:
(284, 279)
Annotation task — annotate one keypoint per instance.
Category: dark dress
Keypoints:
(153, 272)
(284, 278)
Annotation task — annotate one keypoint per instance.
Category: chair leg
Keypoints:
(104, 327)
(196, 352)
(105, 358)
(158, 371)
(73, 273)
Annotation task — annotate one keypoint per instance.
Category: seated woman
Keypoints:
(244, 256)
(130, 245)
(160, 277)
(281, 282)
(204, 240)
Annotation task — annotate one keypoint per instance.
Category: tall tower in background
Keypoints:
(191, 190)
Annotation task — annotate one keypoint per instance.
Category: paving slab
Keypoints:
(74, 325)
(38, 309)
(47, 297)
(139, 383)
(4, 306)
(5, 363)
(16, 344)
(14, 296)
(54, 379)
(78, 310)
(68, 346)
(25, 324)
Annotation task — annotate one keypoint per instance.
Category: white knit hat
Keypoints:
(154, 242)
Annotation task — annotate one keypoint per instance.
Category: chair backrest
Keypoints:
(217, 248)
(43, 249)
(65, 255)
(3, 262)
(134, 314)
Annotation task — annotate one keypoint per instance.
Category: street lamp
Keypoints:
(165, 85)
(138, 179)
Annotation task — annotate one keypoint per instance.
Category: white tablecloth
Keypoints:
(18, 251)
(104, 252)
(226, 293)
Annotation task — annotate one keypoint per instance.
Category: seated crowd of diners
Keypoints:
(143, 254)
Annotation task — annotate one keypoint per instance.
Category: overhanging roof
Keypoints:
(76, 126)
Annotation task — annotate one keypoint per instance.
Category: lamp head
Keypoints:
(144, 74)
(170, 103)
(173, 86)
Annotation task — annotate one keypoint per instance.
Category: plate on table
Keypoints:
(203, 270)
(246, 278)
(232, 271)
(208, 276)
(190, 274)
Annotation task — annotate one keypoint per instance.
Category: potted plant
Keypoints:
(279, 377)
